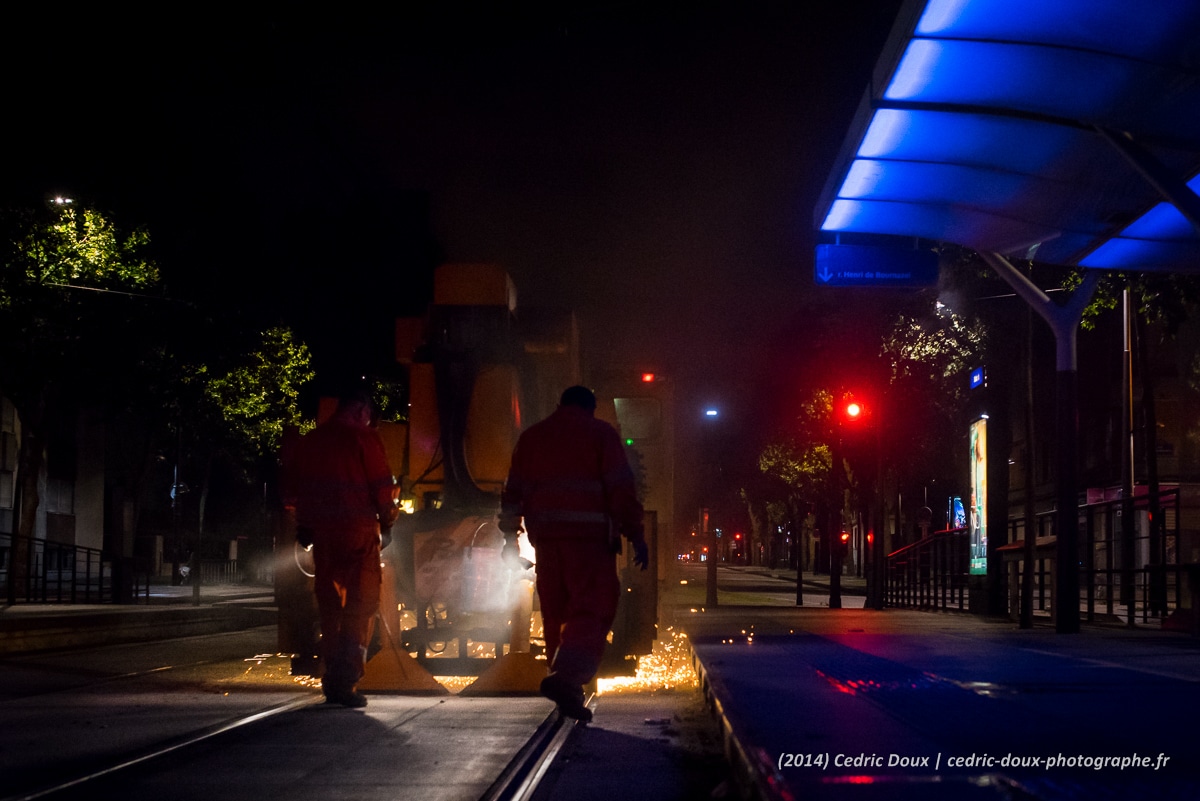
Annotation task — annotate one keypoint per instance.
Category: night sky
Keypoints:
(654, 170)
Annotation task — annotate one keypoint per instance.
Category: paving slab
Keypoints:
(821, 703)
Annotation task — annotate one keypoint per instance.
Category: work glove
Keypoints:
(511, 555)
(304, 537)
(641, 554)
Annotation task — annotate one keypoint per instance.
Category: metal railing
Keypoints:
(51, 572)
(1144, 576)
(930, 573)
(220, 571)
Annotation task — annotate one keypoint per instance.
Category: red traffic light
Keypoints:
(648, 378)
(845, 536)
(851, 408)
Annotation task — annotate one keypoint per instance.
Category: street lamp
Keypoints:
(709, 530)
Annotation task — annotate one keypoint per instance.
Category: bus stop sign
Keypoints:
(875, 266)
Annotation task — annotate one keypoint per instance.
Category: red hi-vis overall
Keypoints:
(343, 490)
(573, 486)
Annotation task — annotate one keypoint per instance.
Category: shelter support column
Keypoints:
(1064, 322)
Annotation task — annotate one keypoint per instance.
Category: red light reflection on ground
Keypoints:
(856, 686)
(851, 780)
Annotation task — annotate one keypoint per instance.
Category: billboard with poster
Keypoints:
(956, 513)
(978, 506)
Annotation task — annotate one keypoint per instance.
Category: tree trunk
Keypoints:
(757, 513)
(29, 468)
(198, 554)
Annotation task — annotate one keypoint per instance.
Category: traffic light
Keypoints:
(839, 546)
(851, 409)
(843, 543)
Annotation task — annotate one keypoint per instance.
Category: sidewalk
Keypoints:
(851, 585)
(862, 704)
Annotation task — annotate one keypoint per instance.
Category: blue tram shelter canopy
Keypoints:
(1062, 130)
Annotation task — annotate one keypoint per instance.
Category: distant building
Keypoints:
(70, 488)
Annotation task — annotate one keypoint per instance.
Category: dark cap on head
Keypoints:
(356, 393)
(578, 396)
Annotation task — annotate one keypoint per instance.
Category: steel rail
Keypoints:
(520, 778)
(91, 678)
(162, 750)
(517, 782)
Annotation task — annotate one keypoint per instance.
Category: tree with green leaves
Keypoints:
(931, 357)
(233, 407)
(83, 325)
(68, 281)
(255, 393)
(796, 467)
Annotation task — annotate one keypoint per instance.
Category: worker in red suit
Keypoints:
(572, 485)
(344, 495)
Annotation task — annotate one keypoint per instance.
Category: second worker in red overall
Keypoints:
(345, 500)
(572, 485)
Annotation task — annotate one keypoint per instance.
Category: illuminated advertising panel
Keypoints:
(956, 513)
(978, 510)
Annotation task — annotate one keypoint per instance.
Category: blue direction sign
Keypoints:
(875, 266)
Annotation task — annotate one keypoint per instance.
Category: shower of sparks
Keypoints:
(456, 684)
(270, 669)
(669, 666)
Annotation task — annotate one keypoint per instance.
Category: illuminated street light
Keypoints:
(710, 532)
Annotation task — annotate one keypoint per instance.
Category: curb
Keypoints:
(755, 776)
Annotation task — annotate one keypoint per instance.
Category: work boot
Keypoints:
(348, 698)
(568, 697)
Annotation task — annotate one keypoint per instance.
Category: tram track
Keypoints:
(77, 715)
(163, 749)
(114, 733)
(88, 683)
(524, 773)
(517, 781)
(121, 721)
(89, 667)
